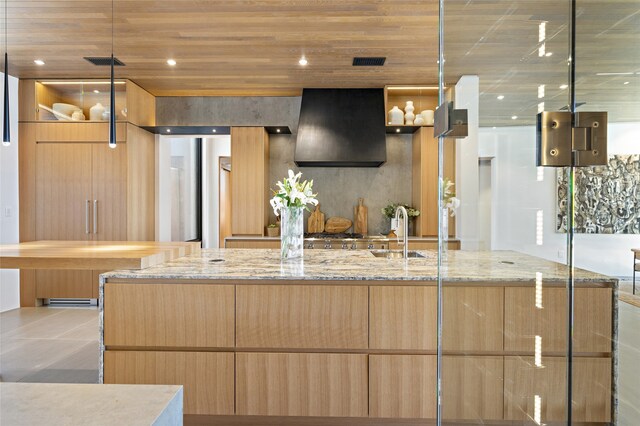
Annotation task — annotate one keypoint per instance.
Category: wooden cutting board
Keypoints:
(315, 223)
(360, 219)
(337, 224)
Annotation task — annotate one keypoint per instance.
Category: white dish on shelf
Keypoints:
(66, 109)
(58, 115)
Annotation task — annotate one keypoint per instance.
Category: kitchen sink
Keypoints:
(395, 254)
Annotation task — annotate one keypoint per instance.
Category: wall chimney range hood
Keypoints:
(341, 128)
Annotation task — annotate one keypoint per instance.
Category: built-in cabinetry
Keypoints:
(74, 187)
(249, 180)
(423, 98)
(334, 349)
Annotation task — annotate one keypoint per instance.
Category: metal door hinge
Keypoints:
(561, 135)
(449, 122)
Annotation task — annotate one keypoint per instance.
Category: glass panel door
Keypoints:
(504, 308)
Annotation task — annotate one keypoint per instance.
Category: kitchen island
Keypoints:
(345, 334)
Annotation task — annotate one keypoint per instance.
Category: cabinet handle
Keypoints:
(95, 216)
(86, 217)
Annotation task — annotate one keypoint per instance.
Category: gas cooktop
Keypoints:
(328, 235)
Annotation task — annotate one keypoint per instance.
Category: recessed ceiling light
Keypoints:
(96, 91)
(39, 62)
(278, 130)
(563, 86)
(494, 127)
(614, 73)
(303, 61)
(168, 130)
(500, 97)
(514, 117)
(626, 82)
(213, 130)
(171, 62)
(397, 130)
(548, 54)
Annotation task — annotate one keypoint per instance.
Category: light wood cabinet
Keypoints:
(424, 183)
(402, 386)
(301, 384)
(528, 315)
(403, 317)
(540, 392)
(301, 316)
(473, 319)
(249, 180)
(207, 377)
(75, 187)
(472, 388)
(178, 316)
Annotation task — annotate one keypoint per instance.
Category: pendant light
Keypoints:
(6, 125)
(112, 106)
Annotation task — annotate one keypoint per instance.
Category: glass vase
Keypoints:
(291, 232)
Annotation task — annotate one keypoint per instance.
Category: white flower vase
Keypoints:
(445, 231)
(409, 116)
(291, 232)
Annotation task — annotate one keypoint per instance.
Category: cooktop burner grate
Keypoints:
(328, 235)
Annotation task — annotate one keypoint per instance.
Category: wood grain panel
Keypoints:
(473, 318)
(95, 278)
(171, 315)
(265, 244)
(472, 388)
(524, 381)
(402, 386)
(27, 180)
(63, 187)
(295, 384)
(141, 106)
(249, 180)
(524, 320)
(141, 168)
(27, 103)
(27, 288)
(58, 131)
(109, 192)
(65, 283)
(300, 316)
(207, 377)
(403, 317)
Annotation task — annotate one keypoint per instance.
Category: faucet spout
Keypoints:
(405, 230)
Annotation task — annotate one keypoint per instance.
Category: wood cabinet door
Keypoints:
(249, 180)
(63, 191)
(65, 283)
(109, 192)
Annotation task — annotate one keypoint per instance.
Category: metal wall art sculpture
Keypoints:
(607, 197)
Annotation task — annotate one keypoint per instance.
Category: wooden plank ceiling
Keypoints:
(253, 47)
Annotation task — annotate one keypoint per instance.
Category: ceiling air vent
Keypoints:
(368, 62)
(104, 61)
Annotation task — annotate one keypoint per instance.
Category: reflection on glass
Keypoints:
(185, 160)
(539, 290)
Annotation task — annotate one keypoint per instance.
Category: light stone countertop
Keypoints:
(361, 265)
(90, 404)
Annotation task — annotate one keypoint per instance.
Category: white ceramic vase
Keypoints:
(77, 115)
(106, 114)
(396, 117)
(427, 114)
(409, 116)
(419, 120)
(95, 112)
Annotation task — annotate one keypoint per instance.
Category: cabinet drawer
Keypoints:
(65, 283)
(207, 377)
(473, 318)
(301, 316)
(403, 317)
(301, 384)
(472, 387)
(525, 383)
(402, 386)
(168, 315)
(527, 317)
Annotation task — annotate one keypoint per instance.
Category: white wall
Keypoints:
(9, 278)
(518, 195)
(212, 149)
(467, 96)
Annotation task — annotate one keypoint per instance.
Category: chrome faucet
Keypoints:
(405, 223)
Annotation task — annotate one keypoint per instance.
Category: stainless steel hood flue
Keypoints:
(341, 128)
